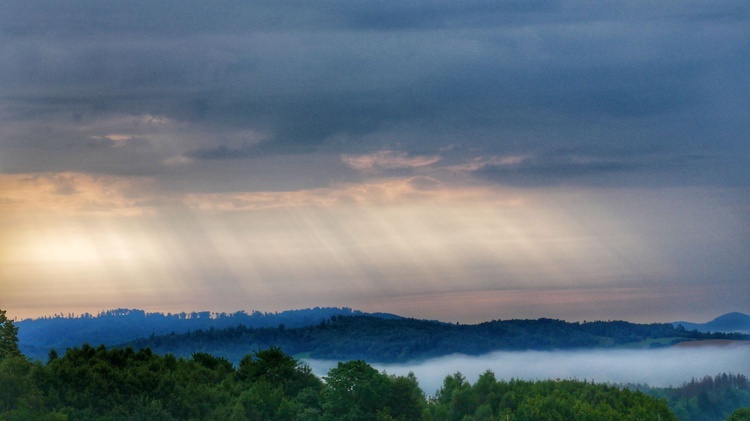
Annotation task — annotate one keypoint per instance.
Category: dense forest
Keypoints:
(121, 383)
(377, 339)
(113, 327)
(334, 333)
(709, 398)
(108, 384)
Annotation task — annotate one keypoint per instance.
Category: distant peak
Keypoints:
(733, 316)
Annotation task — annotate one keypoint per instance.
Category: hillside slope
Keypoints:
(730, 322)
(113, 327)
(400, 340)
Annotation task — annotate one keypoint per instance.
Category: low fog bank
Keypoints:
(660, 367)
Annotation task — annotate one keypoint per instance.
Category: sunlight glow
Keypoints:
(396, 240)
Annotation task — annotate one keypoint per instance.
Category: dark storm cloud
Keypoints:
(462, 79)
(597, 166)
(540, 172)
(85, 18)
(219, 152)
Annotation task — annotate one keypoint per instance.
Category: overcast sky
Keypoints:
(463, 161)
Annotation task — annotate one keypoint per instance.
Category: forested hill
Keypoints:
(707, 399)
(113, 327)
(400, 340)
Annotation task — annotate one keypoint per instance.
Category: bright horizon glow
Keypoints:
(466, 255)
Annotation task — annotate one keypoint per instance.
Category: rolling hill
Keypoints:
(401, 340)
(344, 334)
(730, 322)
(114, 327)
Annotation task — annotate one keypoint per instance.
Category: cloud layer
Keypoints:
(407, 150)
(587, 90)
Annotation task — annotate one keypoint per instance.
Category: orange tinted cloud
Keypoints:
(401, 191)
(75, 192)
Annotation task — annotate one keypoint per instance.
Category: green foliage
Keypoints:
(121, 383)
(8, 337)
(547, 400)
(280, 371)
(109, 384)
(707, 399)
(407, 400)
(17, 389)
(742, 414)
(355, 391)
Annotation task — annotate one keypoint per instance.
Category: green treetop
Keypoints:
(8, 337)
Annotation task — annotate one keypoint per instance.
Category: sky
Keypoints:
(460, 161)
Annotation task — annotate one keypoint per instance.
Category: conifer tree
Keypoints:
(8, 337)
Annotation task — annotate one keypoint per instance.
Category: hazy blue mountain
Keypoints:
(730, 322)
(401, 340)
(113, 327)
(341, 333)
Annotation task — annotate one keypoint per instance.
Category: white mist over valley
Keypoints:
(657, 368)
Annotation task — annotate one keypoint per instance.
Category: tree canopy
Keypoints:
(100, 383)
(103, 383)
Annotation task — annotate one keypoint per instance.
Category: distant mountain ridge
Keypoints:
(401, 340)
(730, 322)
(114, 327)
(343, 333)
